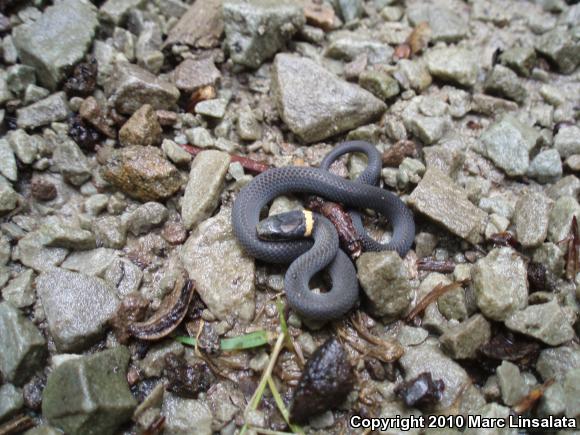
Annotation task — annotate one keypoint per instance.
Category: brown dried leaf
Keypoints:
(394, 155)
(419, 37)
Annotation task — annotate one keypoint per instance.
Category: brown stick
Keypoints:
(432, 296)
(247, 163)
(17, 425)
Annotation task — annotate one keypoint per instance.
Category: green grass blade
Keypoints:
(246, 341)
(283, 410)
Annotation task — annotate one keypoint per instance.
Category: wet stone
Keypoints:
(463, 341)
(257, 29)
(531, 218)
(77, 307)
(384, 280)
(192, 74)
(132, 86)
(315, 104)
(90, 394)
(556, 362)
(325, 382)
(500, 283)
(142, 173)
(511, 383)
(223, 272)
(50, 109)
(142, 128)
(438, 197)
(546, 167)
(504, 82)
(22, 347)
(70, 22)
(508, 143)
(446, 25)
(456, 65)
(560, 46)
(567, 141)
(146, 217)
(546, 322)
(10, 401)
(206, 181)
(564, 209)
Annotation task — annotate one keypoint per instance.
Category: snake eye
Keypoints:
(283, 226)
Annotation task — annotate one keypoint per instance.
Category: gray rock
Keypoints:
(504, 82)
(50, 109)
(379, 83)
(192, 74)
(11, 401)
(215, 108)
(428, 358)
(142, 128)
(463, 341)
(425, 243)
(315, 104)
(546, 322)
(511, 383)
(132, 86)
(520, 59)
(572, 391)
(90, 394)
(491, 106)
(71, 162)
(67, 236)
(457, 65)
(175, 153)
(124, 276)
(553, 401)
(7, 161)
(25, 146)
(492, 411)
(428, 129)
(19, 291)
(146, 217)
(115, 11)
(110, 232)
(564, 209)
(206, 181)
(561, 47)
(200, 136)
(34, 93)
(413, 74)
(449, 161)
(19, 77)
(154, 362)
(43, 429)
(347, 46)
(5, 94)
(77, 307)
(257, 29)
(350, 9)
(411, 336)
(223, 272)
(551, 256)
(438, 197)
(201, 26)
(8, 197)
(567, 141)
(32, 252)
(453, 304)
(508, 143)
(445, 24)
(57, 40)
(384, 279)
(500, 283)
(567, 186)
(22, 347)
(182, 415)
(546, 167)
(531, 218)
(248, 126)
(556, 362)
(93, 262)
(96, 204)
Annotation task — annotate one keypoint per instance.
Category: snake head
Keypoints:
(296, 224)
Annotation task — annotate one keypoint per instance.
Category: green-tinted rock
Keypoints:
(504, 82)
(511, 383)
(519, 59)
(546, 167)
(561, 47)
(546, 322)
(532, 217)
(379, 83)
(347, 45)
(22, 346)
(446, 25)
(315, 104)
(116, 11)
(90, 395)
(553, 401)
(383, 277)
(7, 161)
(492, 411)
(53, 108)
(500, 283)
(572, 391)
(463, 341)
(556, 362)
(567, 141)
(257, 29)
(67, 236)
(19, 77)
(43, 430)
(77, 307)
(457, 65)
(564, 209)
(186, 416)
(551, 256)
(19, 291)
(10, 400)
(57, 40)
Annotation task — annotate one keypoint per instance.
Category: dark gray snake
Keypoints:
(309, 257)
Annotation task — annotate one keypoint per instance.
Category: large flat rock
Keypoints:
(315, 104)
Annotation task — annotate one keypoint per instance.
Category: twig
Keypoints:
(16, 425)
(247, 163)
(432, 265)
(528, 402)
(430, 297)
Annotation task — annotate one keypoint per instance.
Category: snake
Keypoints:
(319, 249)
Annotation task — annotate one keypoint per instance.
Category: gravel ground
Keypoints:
(129, 127)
